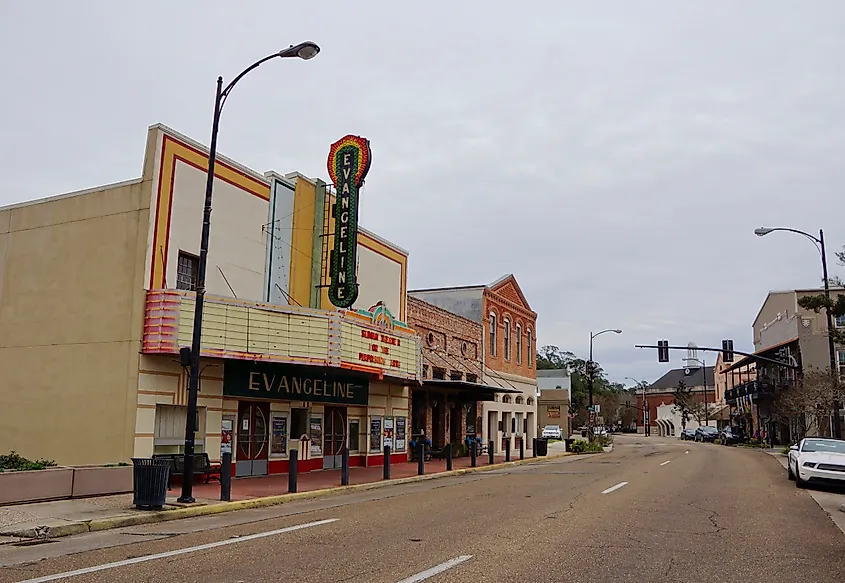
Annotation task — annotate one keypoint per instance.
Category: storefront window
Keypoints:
(279, 435)
(375, 434)
(400, 433)
(169, 434)
(354, 435)
(315, 431)
(298, 423)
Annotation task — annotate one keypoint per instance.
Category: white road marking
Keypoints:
(184, 551)
(616, 487)
(666, 462)
(436, 570)
(687, 451)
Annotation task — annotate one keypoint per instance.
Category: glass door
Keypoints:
(334, 437)
(253, 448)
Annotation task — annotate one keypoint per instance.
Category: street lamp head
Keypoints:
(305, 51)
(762, 231)
(617, 331)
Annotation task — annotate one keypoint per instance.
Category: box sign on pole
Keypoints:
(348, 164)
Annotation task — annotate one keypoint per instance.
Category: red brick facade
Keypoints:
(516, 323)
(452, 348)
(451, 343)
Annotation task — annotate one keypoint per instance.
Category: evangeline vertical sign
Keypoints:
(348, 164)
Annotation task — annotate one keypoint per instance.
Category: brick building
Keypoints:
(662, 392)
(508, 355)
(447, 402)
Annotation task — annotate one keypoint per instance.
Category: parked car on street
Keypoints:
(552, 432)
(732, 435)
(687, 434)
(706, 433)
(817, 460)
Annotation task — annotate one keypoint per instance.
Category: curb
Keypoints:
(96, 525)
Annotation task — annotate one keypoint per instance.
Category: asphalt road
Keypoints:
(652, 510)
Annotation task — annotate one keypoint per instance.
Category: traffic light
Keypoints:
(728, 350)
(662, 351)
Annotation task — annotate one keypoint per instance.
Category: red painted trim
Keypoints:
(167, 229)
(222, 164)
(226, 180)
(155, 217)
(375, 461)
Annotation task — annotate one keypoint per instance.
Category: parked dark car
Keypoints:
(706, 433)
(732, 435)
(687, 434)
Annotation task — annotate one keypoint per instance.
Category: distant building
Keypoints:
(554, 399)
(662, 392)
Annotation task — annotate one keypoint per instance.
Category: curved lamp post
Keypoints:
(643, 384)
(306, 50)
(590, 373)
(819, 243)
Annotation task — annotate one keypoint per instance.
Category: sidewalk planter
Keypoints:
(101, 480)
(36, 485)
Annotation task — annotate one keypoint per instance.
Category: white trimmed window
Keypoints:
(493, 324)
(507, 338)
(519, 343)
(530, 349)
(839, 322)
(187, 270)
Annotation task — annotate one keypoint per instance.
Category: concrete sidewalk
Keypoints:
(68, 517)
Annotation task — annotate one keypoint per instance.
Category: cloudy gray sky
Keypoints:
(615, 156)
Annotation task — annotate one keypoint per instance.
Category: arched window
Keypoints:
(507, 338)
(519, 400)
(506, 399)
(530, 349)
(492, 334)
(530, 401)
(519, 344)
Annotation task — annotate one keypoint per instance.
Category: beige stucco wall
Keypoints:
(237, 244)
(71, 316)
(380, 279)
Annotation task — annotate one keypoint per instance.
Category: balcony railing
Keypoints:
(237, 329)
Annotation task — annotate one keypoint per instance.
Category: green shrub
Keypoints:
(582, 446)
(785, 451)
(16, 463)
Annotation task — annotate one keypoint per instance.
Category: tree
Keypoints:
(836, 303)
(683, 401)
(808, 404)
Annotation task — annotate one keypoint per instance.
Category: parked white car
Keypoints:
(552, 432)
(817, 459)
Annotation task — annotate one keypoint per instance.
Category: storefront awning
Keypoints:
(466, 390)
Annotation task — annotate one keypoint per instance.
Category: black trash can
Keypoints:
(568, 444)
(542, 447)
(150, 482)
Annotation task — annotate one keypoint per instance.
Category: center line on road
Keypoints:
(436, 570)
(666, 462)
(184, 551)
(616, 487)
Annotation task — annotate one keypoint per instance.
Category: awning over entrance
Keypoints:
(467, 391)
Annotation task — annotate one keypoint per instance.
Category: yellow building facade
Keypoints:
(96, 295)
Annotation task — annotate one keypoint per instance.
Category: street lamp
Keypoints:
(643, 384)
(819, 243)
(305, 51)
(590, 374)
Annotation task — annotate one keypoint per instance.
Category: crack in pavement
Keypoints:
(554, 515)
(712, 515)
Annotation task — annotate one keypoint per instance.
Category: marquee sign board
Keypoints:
(348, 164)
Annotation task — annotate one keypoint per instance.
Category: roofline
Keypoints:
(451, 288)
(205, 150)
(55, 197)
(763, 305)
(448, 313)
